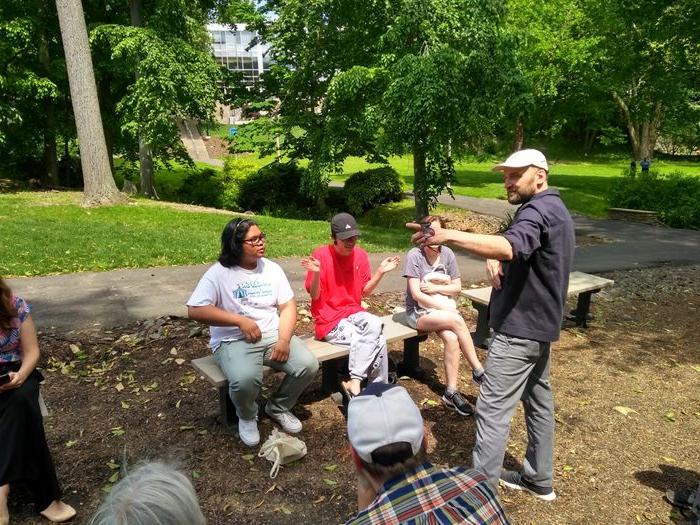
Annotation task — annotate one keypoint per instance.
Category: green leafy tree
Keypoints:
(160, 69)
(376, 78)
(32, 86)
(560, 72)
(649, 54)
(99, 187)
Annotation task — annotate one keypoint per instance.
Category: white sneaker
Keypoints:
(248, 431)
(288, 421)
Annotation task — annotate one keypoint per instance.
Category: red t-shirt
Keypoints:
(342, 280)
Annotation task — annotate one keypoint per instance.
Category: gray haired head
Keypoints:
(153, 494)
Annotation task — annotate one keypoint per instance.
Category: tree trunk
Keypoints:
(145, 152)
(50, 155)
(421, 202)
(518, 135)
(104, 94)
(98, 184)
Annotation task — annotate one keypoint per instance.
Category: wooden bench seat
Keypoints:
(581, 284)
(330, 356)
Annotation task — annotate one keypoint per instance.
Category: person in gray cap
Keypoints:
(529, 266)
(395, 482)
(338, 276)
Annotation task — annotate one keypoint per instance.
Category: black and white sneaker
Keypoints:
(456, 402)
(514, 480)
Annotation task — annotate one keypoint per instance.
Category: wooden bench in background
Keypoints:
(582, 284)
(331, 358)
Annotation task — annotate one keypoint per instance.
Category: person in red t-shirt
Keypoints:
(338, 276)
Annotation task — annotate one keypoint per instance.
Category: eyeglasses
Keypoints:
(260, 239)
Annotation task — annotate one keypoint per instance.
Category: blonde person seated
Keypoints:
(433, 280)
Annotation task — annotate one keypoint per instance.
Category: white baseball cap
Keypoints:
(523, 158)
(383, 415)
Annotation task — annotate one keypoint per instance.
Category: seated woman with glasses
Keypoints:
(250, 306)
(433, 279)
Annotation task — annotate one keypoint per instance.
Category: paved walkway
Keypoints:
(123, 296)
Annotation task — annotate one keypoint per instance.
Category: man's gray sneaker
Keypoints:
(456, 402)
(514, 480)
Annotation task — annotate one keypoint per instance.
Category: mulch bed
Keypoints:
(121, 396)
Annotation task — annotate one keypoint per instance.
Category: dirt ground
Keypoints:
(121, 396)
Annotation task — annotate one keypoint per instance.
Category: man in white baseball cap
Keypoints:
(529, 266)
(396, 484)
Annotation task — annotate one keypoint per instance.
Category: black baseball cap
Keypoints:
(344, 226)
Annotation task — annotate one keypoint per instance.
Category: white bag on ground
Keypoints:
(281, 448)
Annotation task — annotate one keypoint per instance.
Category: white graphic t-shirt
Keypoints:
(252, 293)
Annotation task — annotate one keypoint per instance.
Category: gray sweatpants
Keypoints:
(516, 369)
(362, 332)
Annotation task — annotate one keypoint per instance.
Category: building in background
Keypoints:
(232, 49)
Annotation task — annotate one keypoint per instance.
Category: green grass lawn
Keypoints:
(50, 233)
(583, 185)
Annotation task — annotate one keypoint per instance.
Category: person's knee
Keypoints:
(244, 379)
(371, 325)
(306, 365)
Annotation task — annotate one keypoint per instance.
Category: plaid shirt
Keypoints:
(431, 495)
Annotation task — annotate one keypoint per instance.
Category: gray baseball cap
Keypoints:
(344, 226)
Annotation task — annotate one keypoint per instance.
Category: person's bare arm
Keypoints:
(494, 269)
(387, 265)
(312, 264)
(288, 319)
(451, 289)
(30, 355)
(487, 246)
(215, 316)
(423, 299)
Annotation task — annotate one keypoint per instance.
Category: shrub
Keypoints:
(204, 187)
(672, 196)
(275, 189)
(365, 190)
(236, 170)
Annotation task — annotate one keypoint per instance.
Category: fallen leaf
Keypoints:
(285, 510)
(568, 468)
(668, 459)
(248, 457)
(625, 411)
(119, 387)
(187, 427)
(111, 464)
(125, 405)
(272, 487)
(429, 402)
(71, 443)
(179, 360)
(196, 475)
(330, 468)
(173, 351)
(670, 416)
(330, 482)
(114, 477)
(177, 405)
(117, 431)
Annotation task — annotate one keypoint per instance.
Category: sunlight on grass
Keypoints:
(51, 233)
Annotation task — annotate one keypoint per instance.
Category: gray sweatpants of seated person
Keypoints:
(515, 370)
(362, 332)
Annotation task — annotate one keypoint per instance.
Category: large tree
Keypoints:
(99, 187)
(377, 78)
(159, 68)
(649, 54)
